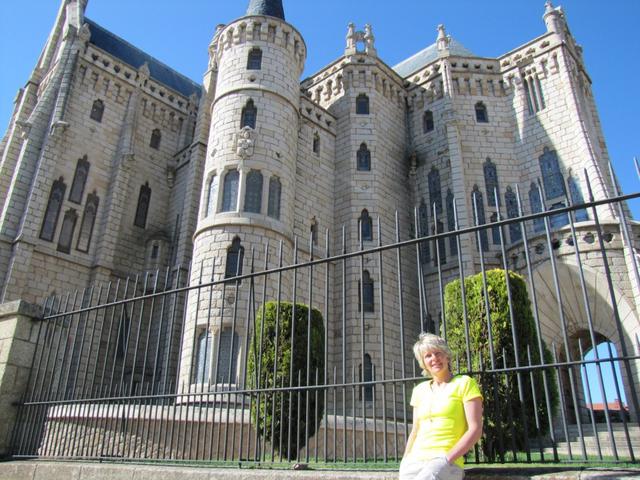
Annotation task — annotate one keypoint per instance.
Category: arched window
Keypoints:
(477, 204)
(366, 226)
(535, 201)
(427, 121)
(577, 199)
(235, 256)
(316, 143)
(79, 180)
(144, 199)
(515, 231)
(253, 192)
(66, 232)
(482, 116)
(423, 226)
(156, 136)
(362, 104)
(203, 357)
(363, 158)
(451, 222)
(365, 298)
(88, 221)
(254, 60)
(249, 115)
(97, 110)
(54, 205)
(275, 192)
(491, 182)
(435, 191)
(230, 191)
(552, 178)
(366, 374)
(227, 357)
(212, 195)
(313, 230)
(495, 231)
(439, 248)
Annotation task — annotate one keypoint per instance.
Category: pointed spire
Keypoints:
(443, 39)
(271, 8)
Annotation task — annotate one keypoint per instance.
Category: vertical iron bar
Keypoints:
(402, 329)
(382, 342)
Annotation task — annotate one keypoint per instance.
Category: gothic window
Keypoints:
(515, 231)
(254, 61)
(491, 182)
(366, 226)
(249, 115)
(482, 116)
(79, 180)
(275, 190)
(427, 121)
(144, 199)
(560, 219)
(367, 293)
(235, 256)
(439, 252)
(423, 225)
(253, 193)
(362, 104)
(156, 137)
(577, 199)
(366, 374)
(543, 104)
(316, 143)
(88, 221)
(478, 206)
(54, 205)
(364, 158)
(451, 222)
(66, 232)
(435, 193)
(529, 96)
(535, 201)
(552, 178)
(97, 110)
(495, 231)
(230, 191)
(314, 230)
(212, 195)
(203, 358)
(227, 357)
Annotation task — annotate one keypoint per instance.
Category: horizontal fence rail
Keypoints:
(304, 355)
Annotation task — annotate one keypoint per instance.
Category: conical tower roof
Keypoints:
(271, 8)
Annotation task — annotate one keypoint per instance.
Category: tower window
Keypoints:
(535, 201)
(577, 199)
(253, 193)
(478, 207)
(482, 116)
(366, 226)
(66, 232)
(254, 60)
(423, 226)
(435, 189)
(363, 158)
(203, 357)
(275, 192)
(552, 178)
(314, 230)
(230, 191)
(88, 221)
(366, 302)
(491, 182)
(79, 180)
(235, 256)
(142, 210)
(97, 110)
(451, 222)
(212, 195)
(156, 136)
(427, 121)
(366, 374)
(362, 104)
(228, 357)
(515, 231)
(249, 115)
(316, 143)
(54, 205)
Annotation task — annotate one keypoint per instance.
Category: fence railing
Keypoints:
(185, 366)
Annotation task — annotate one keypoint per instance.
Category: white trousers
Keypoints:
(433, 470)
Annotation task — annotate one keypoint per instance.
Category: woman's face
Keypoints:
(436, 362)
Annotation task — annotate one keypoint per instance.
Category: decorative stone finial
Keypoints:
(443, 39)
(85, 33)
(364, 38)
(143, 73)
(548, 6)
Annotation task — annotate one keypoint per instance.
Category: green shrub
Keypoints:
(290, 409)
(505, 418)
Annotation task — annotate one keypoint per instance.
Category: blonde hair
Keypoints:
(428, 342)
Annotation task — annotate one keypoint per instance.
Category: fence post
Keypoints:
(17, 348)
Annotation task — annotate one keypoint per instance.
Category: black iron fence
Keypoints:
(193, 366)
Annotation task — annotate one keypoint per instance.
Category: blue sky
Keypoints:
(178, 32)
(608, 380)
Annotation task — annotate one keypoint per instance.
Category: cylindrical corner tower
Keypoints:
(248, 185)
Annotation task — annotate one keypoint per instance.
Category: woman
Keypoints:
(447, 416)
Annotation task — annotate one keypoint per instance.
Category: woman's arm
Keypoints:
(412, 435)
(473, 414)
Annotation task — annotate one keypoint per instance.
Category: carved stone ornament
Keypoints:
(244, 144)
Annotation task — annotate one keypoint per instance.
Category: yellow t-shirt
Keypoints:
(440, 417)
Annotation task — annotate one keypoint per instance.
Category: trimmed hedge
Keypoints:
(290, 409)
(505, 417)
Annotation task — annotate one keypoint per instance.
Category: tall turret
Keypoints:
(249, 177)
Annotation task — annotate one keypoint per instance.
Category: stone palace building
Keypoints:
(116, 165)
